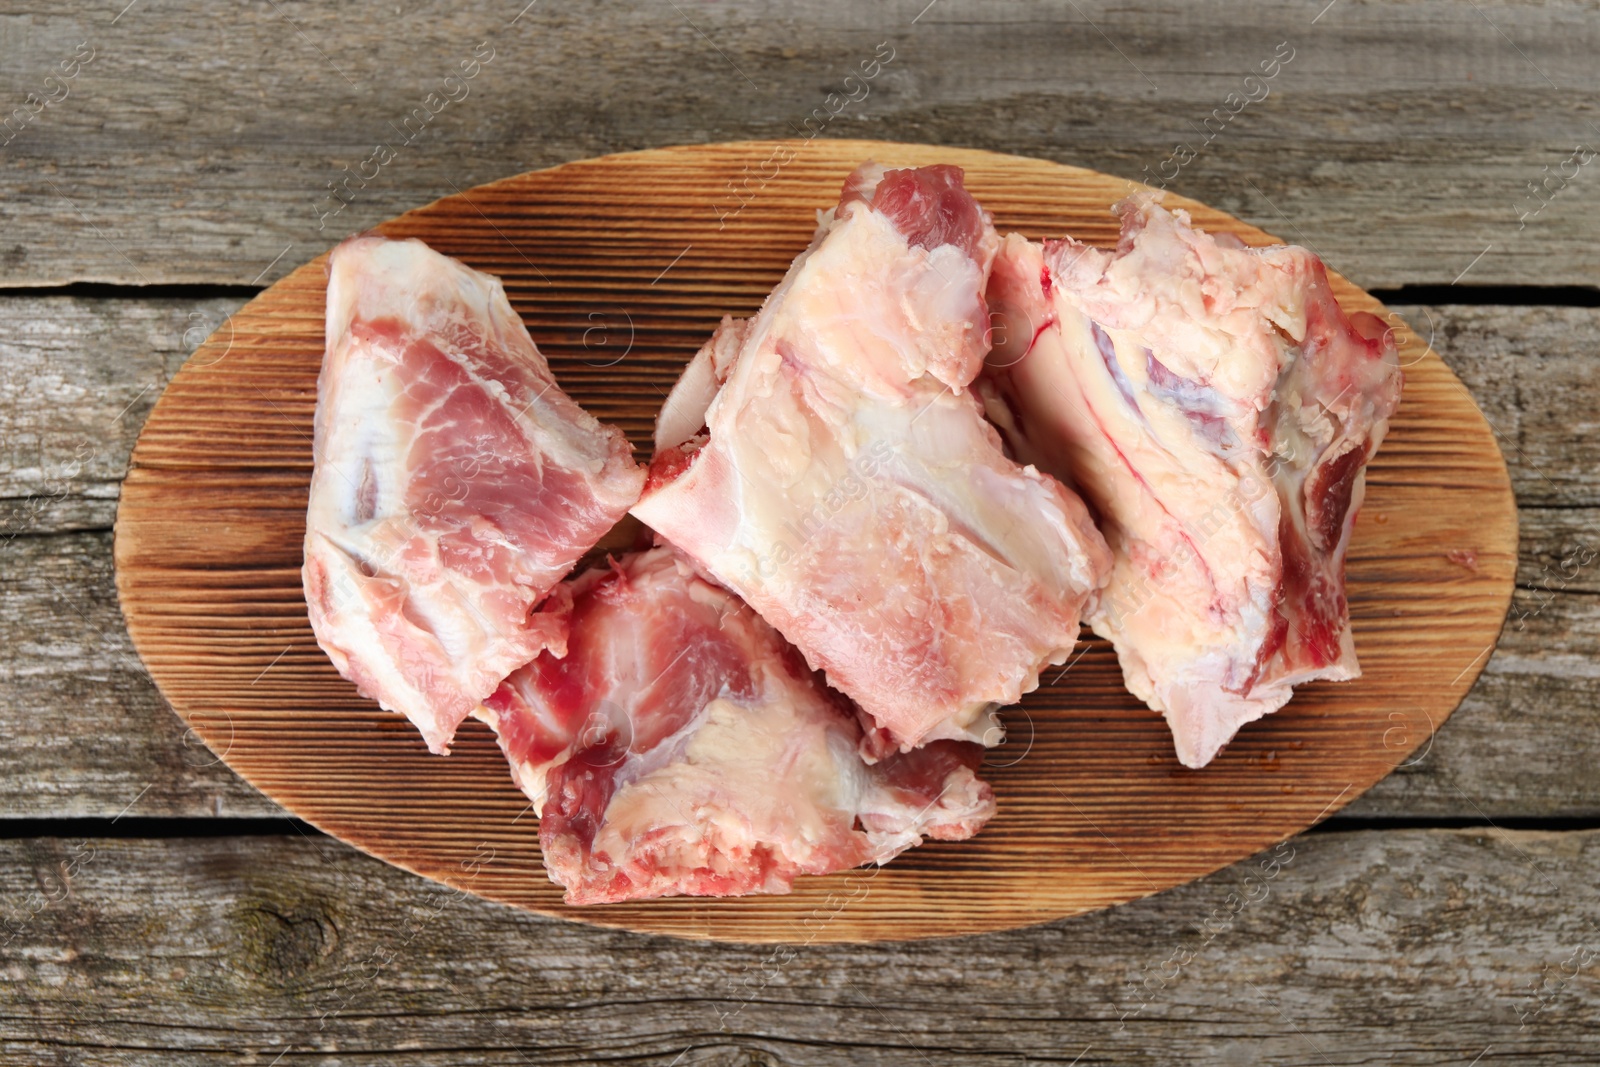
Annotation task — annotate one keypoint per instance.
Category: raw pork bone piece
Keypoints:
(1217, 408)
(455, 484)
(849, 488)
(682, 746)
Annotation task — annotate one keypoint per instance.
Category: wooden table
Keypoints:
(157, 910)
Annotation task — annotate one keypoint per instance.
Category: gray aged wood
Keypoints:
(200, 141)
(1534, 373)
(90, 734)
(198, 146)
(1523, 744)
(1401, 947)
(92, 737)
(77, 378)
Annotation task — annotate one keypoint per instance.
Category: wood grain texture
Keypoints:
(1521, 745)
(1405, 948)
(1536, 374)
(1094, 808)
(196, 147)
(78, 375)
(93, 737)
(201, 140)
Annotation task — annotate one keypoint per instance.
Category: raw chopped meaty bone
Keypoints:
(682, 746)
(1217, 408)
(848, 487)
(455, 485)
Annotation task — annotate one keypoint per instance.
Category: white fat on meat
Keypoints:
(455, 484)
(1216, 408)
(681, 746)
(827, 461)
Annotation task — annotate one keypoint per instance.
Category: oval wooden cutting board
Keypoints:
(621, 267)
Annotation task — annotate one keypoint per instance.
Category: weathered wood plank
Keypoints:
(91, 735)
(98, 737)
(200, 143)
(1400, 947)
(79, 375)
(1535, 373)
(77, 378)
(212, 519)
(1522, 745)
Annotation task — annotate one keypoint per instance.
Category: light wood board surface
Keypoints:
(620, 266)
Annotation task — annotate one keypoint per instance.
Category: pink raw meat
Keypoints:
(1217, 409)
(682, 746)
(455, 484)
(827, 461)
